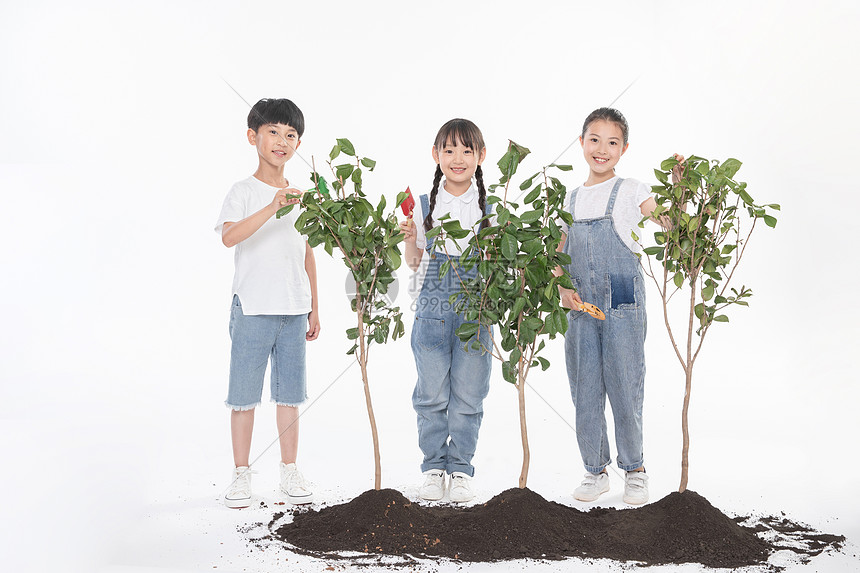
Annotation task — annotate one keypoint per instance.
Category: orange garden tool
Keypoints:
(592, 310)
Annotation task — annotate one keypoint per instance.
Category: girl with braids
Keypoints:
(453, 378)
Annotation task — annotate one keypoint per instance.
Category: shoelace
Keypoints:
(295, 480)
(241, 483)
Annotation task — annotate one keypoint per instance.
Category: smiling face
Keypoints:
(275, 142)
(458, 163)
(602, 146)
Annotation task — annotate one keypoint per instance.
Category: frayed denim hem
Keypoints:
(289, 405)
(241, 408)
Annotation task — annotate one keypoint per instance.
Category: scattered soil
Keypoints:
(518, 523)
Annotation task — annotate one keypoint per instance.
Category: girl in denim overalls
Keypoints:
(453, 378)
(607, 358)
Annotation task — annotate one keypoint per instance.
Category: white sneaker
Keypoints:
(294, 486)
(461, 487)
(592, 486)
(635, 488)
(239, 493)
(434, 485)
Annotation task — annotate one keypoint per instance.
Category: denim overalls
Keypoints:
(606, 358)
(452, 380)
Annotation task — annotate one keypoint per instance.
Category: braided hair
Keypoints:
(468, 135)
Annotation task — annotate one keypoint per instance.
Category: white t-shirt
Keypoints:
(591, 204)
(464, 208)
(270, 275)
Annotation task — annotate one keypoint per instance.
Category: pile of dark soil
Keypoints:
(518, 523)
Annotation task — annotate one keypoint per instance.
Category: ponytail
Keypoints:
(428, 219)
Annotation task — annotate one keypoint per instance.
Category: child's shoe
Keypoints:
(294, 486)
(592, 486)
(433, 488)
(461, 488)
(635, 488)
(239, 493)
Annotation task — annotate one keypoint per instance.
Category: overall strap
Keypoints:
(573, 201)
(425, 210)
(611, 203)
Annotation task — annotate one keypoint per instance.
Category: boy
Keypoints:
(274, 293)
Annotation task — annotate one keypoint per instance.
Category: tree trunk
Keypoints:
(362, 361)
(685, 448)
(521, 393)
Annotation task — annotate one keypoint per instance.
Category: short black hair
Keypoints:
(283, 111)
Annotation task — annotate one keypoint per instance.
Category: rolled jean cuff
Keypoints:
(597, 469)
(631, 467)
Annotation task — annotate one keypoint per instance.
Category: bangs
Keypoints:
(460, 131)
(282, 111)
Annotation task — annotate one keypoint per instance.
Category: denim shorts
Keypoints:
(256, 340)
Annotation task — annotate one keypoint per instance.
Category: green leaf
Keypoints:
(531, 216)
(392, 257)
(284, 210)
(352, 333)
(721, 318)
(335, 151)
(653, 250)
(344, 171)
(678, 279)
(467, 330)
(730, 166)
(770, 221)
(369, 163)
(509, 247)
(533, 194)
(346, 146)
(527, 183)
(668, 164)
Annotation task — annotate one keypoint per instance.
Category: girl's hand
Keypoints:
(678, 170)
(570, 299)
(407, 227)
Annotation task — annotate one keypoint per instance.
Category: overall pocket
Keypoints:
(429, 332)
(626, 294)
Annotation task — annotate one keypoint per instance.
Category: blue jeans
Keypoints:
(254, 340)
(453, 378)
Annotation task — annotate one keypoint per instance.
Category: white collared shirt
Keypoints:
(463, 208)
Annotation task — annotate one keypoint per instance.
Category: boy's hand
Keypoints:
(570, 298)
(313, 326)
(407, 227)
(286, 196)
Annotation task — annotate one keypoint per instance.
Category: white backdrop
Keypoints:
(119, 139)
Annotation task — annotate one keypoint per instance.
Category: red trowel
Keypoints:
(408, 204)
